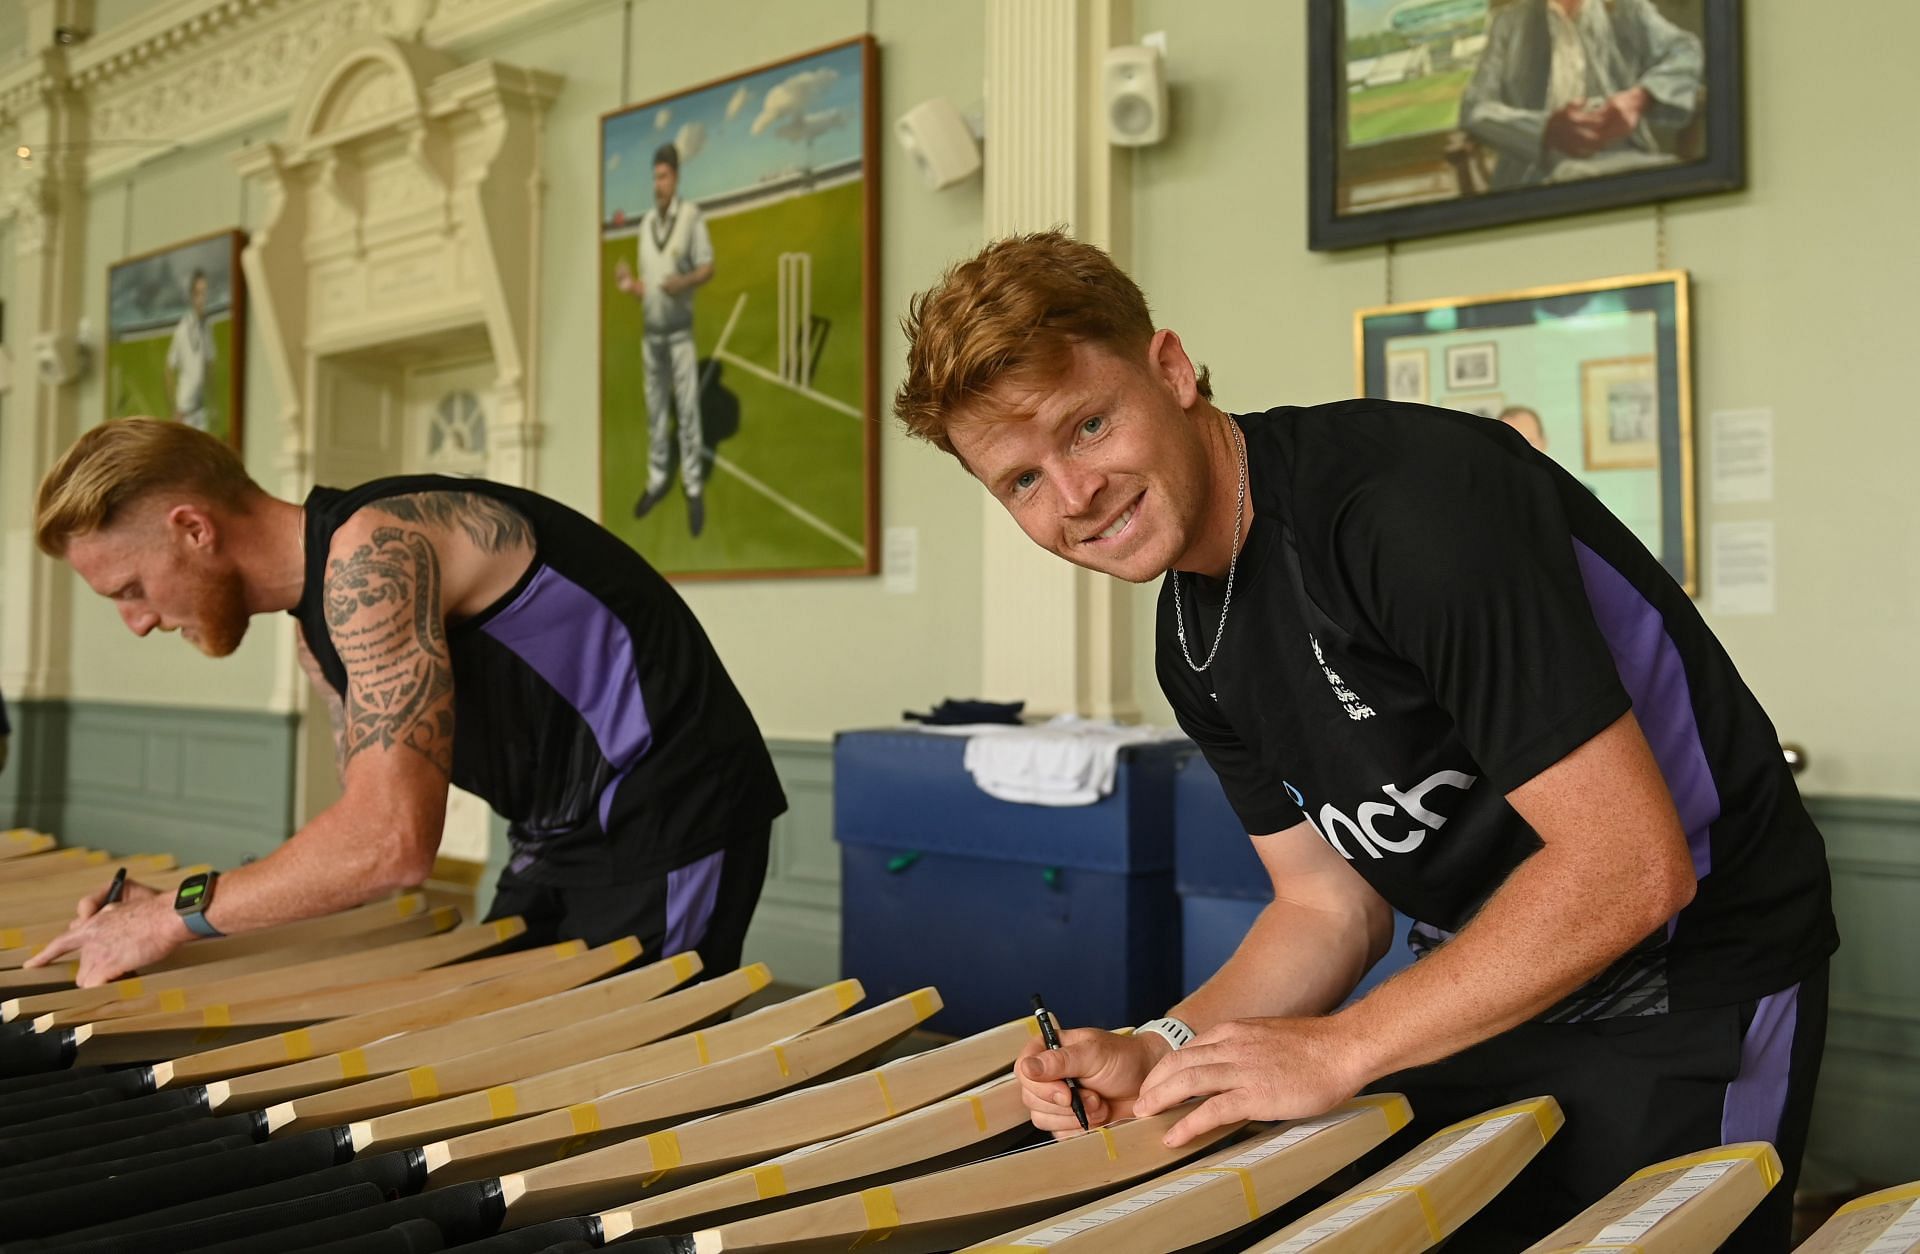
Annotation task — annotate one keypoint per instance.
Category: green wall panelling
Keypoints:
(796, 930)
(36, 762)
(1868, 1103)
(204, 785)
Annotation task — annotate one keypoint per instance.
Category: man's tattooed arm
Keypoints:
(493, 526)
(336, 712)
(384, 616)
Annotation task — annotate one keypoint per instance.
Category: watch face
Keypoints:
(193, 893)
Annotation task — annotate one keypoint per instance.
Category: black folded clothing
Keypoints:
(951, 712)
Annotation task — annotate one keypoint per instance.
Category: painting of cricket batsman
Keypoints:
(738, 385)
(176, 334)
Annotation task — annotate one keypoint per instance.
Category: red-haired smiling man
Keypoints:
(1433, 674)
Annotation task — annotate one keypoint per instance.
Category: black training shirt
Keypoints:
(1427, 614)
(589, 707)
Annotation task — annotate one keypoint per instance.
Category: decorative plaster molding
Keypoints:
(195, 81)
(20, 87)
(191, 71)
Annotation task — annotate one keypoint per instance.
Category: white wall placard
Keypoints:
(900, 559)
(1741, 461)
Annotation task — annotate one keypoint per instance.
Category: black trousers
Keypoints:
(1634, 1092)
(704, 906)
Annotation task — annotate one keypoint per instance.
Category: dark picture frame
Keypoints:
(1384, 163)
(152, 330)
(782, 162)
(1605, 367)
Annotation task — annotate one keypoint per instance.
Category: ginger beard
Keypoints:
(223, 618)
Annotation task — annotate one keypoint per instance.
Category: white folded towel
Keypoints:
(1069, 761)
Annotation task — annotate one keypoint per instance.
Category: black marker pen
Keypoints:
(1051, 1036)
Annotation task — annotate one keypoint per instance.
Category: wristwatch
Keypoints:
(191, 902)
(1172, 1030)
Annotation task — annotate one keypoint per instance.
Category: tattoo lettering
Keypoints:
(493, 526)
(383, 613)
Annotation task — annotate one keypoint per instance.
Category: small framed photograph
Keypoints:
(176, 334)
(1407, 375)
(1471, 367)
(1598, 375)
(1485, 405)
(1620, 412)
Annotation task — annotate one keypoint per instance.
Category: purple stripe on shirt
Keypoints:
(1757, 1096)
(691, 891)
(1656, 679)
(576, 643)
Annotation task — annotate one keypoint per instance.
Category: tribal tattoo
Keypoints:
(492, 525)
(383, 613)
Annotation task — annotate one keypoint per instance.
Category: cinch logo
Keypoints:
(1362, 830)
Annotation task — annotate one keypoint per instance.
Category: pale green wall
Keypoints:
(1804, 290)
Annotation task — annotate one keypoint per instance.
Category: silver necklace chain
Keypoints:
(1233, 562)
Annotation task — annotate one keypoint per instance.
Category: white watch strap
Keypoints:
(1175, 1032)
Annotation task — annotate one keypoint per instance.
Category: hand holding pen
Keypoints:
(1050, 1034)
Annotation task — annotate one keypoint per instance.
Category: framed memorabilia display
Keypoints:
(1598, 375)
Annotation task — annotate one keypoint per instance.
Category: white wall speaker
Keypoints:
(1136, 96)
(939, 140)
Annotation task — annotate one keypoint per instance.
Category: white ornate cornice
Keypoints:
(192, 71)
(20, 87)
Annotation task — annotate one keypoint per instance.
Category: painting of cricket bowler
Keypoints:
(176, 336)
(737, 278)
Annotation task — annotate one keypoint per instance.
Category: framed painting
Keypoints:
(176, 335)
(1597, 375)
(738, 280)
(1428, 116)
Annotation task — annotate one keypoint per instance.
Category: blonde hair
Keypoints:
(1015, 310)
(119, 463)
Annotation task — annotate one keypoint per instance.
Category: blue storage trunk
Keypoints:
(1222, 884)
(990, 901)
